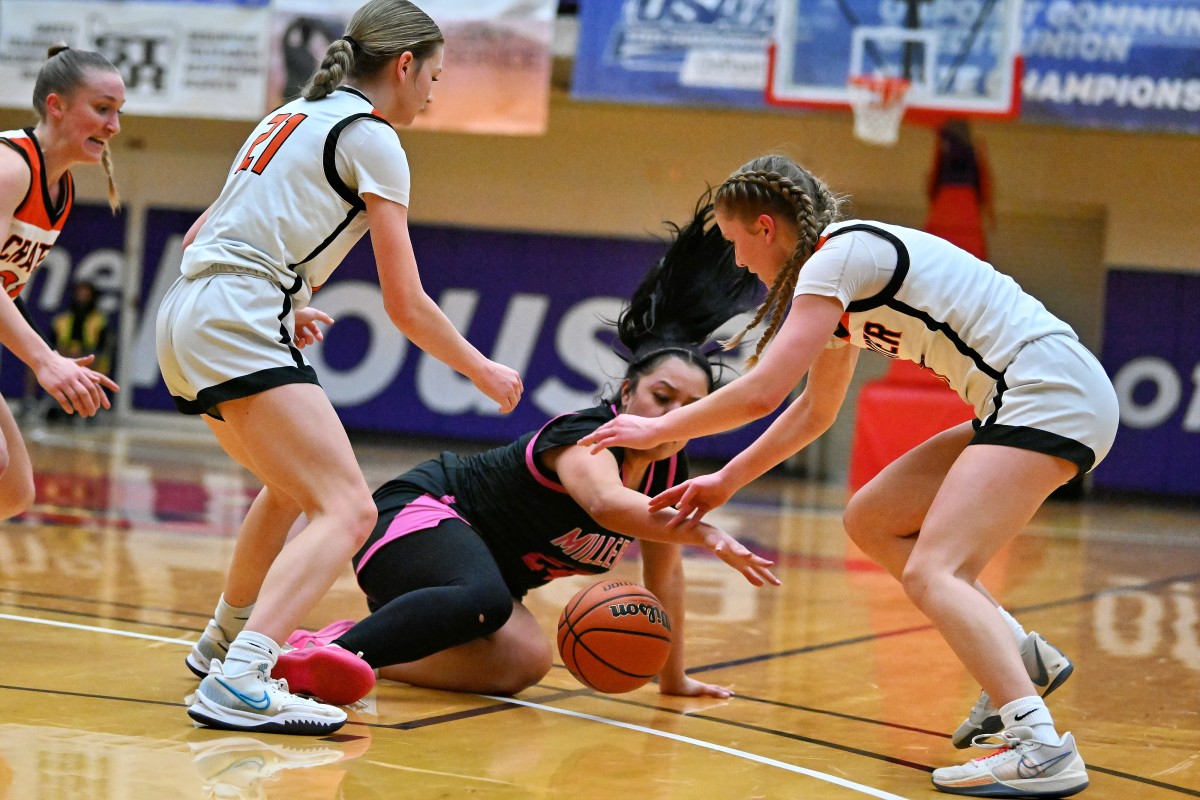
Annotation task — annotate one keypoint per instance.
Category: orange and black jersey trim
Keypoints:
(37, 220)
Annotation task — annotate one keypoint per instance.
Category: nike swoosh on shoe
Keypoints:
(1043, 677)
(1028, 769)
(261, 703)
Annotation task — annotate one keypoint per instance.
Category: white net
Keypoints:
(878, 105)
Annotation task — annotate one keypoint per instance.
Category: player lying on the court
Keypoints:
(935, 517)
(461, 539)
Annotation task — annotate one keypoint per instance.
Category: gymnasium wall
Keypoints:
(1069, 202)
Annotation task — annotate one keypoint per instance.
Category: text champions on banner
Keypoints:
(1125, 64)
(1115, 64)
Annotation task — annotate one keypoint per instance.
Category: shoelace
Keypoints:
(1009, 742)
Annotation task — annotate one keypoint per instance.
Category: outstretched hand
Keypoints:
(753, 567)
(693, 498)
(625, 430)
(74, 386)
(307, 330)
(502, 384)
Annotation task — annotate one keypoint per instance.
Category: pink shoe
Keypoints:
(301, 639)
(326, 672)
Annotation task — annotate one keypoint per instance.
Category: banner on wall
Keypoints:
(1087, 63)
(541, 304)
(179, 58)
(1150, 334)
(90, 248)
(674, 52)
(497, 59)
(1113, 65)
(237, 59)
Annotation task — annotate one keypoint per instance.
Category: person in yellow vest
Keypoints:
(83, 328)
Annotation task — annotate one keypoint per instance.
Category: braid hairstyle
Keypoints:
(379, 31)
(778, 186)
(695, 288)
(63, 73)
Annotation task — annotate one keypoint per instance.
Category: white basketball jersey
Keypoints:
(292, 203)
(944, 309)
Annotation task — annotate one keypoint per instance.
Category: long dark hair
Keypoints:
(695, 288)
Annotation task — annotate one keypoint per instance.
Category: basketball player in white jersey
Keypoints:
(1045, 410)
(309, 181)
(77, 96)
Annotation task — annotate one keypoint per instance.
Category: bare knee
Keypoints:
(363, 514)
(926, 581)
(356, 515)
(527, 664)
(854, 521)
(862, 522)
(17, 491)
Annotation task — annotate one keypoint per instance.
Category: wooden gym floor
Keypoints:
(843, 690)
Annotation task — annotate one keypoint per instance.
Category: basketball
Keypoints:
(614, 636)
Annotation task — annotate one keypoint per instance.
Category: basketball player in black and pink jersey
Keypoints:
(461, 539)
(77, 96)
(305, 186)
(1045, 412)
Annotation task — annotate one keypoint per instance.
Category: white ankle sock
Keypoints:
(231, 619)
(1018, 631)
(1030, 712)
(247, 648)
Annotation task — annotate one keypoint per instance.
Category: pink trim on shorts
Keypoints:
(421, 514)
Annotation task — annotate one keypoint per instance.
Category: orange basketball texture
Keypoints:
(614, 636)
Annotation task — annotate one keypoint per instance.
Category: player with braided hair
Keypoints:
(309, 181)
(461, 539)
(1045, 410)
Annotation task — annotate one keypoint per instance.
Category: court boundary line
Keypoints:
(566, 694)
(764, 760)
(94, 629)
(117, 603)
(1191, 577)
(93, 615)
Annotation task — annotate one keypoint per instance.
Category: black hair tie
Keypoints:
(350, 40)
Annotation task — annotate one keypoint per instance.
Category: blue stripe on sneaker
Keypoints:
(261, 703)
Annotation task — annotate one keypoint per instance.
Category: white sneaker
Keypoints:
(1048, 668)
(1021, 767)
(212, 644)
(253, 701)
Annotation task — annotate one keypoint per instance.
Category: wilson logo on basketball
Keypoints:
(653, 614)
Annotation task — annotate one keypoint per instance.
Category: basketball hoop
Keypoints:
(878, 104)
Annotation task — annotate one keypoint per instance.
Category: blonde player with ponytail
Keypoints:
(1045, 410)
(310, 180)
(77, 96)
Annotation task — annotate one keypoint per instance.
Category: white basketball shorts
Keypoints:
(1054, 398)
(224, 335)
